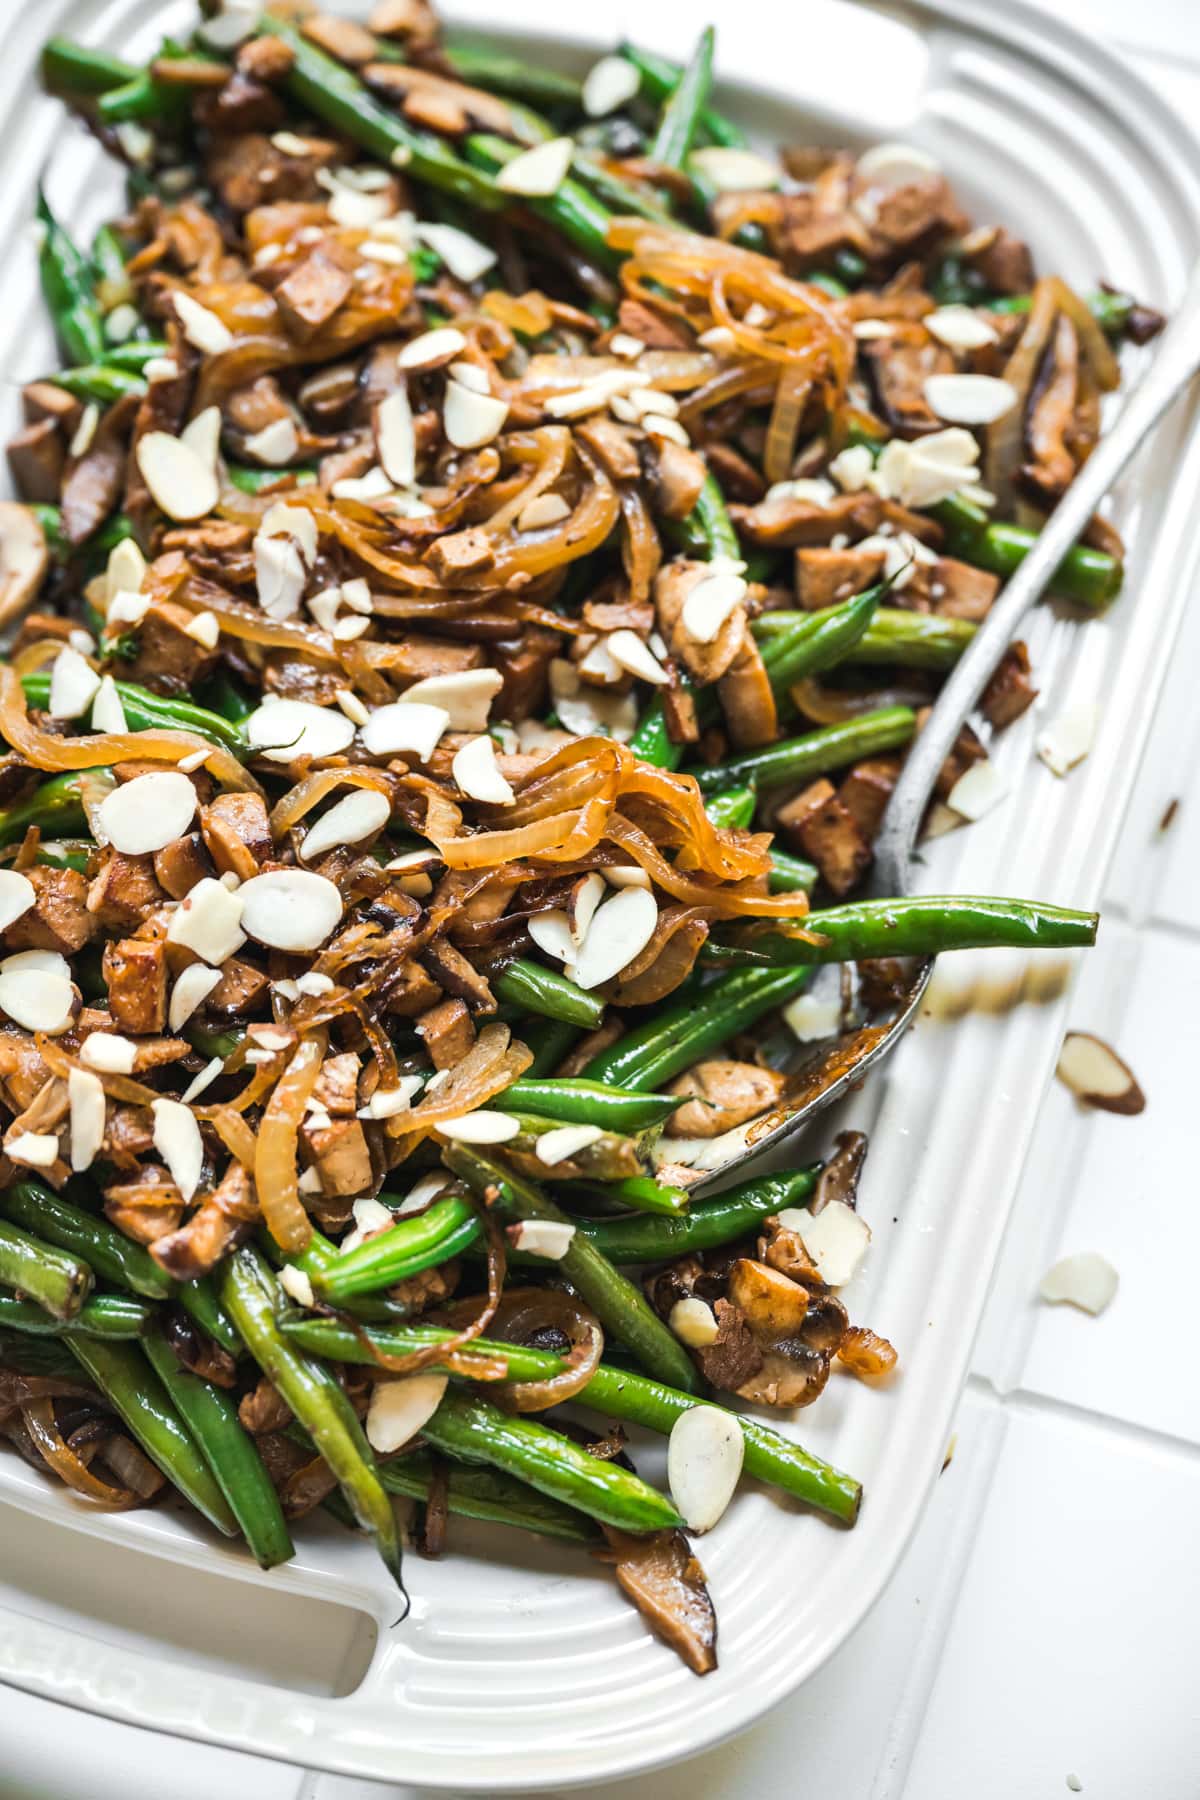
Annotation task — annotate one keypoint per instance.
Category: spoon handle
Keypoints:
(1174, 365)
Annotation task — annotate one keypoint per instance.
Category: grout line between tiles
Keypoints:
(1023, 1400)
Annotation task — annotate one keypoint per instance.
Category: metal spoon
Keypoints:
(844, 1060)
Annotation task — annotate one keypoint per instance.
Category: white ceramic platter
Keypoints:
(520, 1669)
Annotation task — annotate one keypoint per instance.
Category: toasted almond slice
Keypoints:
(970, 399)
(709, 603)
(836, 1238)
(608, 84)
(396, 438)
(465, 257)
(400, 1407)
(85, 431)
(470, 419)
(85, 1097)
(551, 932)
(466, 696)
(581, 908)
(1086, 1280)
(629, 652)
(352, 706)
(109, 1052)
(811, 1017)
(621, 929)
(203, 1080)
(295, 522)
(470, 375)
(279, 576)
(852, 467)
(976, 792)
(147, 813)
(177, 1140)
(180, 481)
(17, 895)
(1065, 741)
(895, 165)
(626, 346)
(385, 1103)
(402, 728)
(627, 875)
(203, 435)
(599, 665)
(483, 1126)
(704, 1461)
(290, 909)
(275, 443)
(550, 1238)
(1096, 1074)
(125, 570)
(564, 1143)
(537, 172)
(296, 1285)
(474, 769)
(356, 817)
(108, 714)
(74, 684)
(694, 1322)
(960, 328)
(35, 1149)
(284, 729)
(201, 327)
(191, 990)
(432, 348)
(208, 921)
(736, 171)
(585, 711)
(543, 510)
(205, 627)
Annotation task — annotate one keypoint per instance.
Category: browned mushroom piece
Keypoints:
(840, 1176)
(725, 1094)
(24, 559)
(705, 661)
(667, 1585)
(219, 1224)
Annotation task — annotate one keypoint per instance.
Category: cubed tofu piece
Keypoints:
(135, 970)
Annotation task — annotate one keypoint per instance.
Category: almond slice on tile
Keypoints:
(201, 327)
(85, 1099)
(109, 1052)
(977, 791)
(471, 420)
(1086, 1280)
(970, 399)
(281, 730)
(17, 895)
(474, 769)
(290, 909)
(564, 1143)
(549, 1238)
(177, 1140)
(405, 728)
(539, 172)
(621, 929)
(400, 1407)
(432, 348)
(709, 603)
(484, 1126)
(36, 996)
(191, 990)
(608, 84)
(704, 1462)
(466, 696)
(147, 813)
(1065, 741)
(1096, 1075)
(359, 815)
(74, 684)
(396, 438)
(208, 921)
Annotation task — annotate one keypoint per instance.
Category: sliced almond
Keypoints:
(960, 328)
(704, 1462)
(147, 813)
(836, 1239)
(927, 470)
(609, 84)
(281, 730)
(474, 769)
(465, 257)
(208, 1074)
(108, 714)
(290, 909)
(852, 467)
(180, 481)
(403, 728)
(551, 932)
(279, 576)
(201, 327)
(203, 435)
(352, 706)
(432, 348)
(586, 711)
(351, 821)
(275, 443)
(1086, 1280)
(627, 875)
(74, 684)
(550, 1238)
(35, 1149)
(537, 172)
(733, 170)
(970, 399)
(295, 522)
(205, 627)
(177, 1140)
(694, 1322)
(543, 510)
(709, 603)
(629, 652)
(1065, 741)
(621, 929)
(208, 921)
(400, 1407)
(191, 990)
(977, 791)
(386, 1103)
(1096, 1075)
(296, 1285)
(657, 424)
(470, 419)
(85, 1097)
(24, 558)
(85, 431)
(17, 895)
(483, 1126)
(109, 1052)
(586, 896)
(565, 1142)
(465, 697)
(811, 1017)
(895, 165)
(396, 438)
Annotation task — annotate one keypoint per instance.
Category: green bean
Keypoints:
(615, 1393)
(619, 1306)
(544, 991)
(135, 353)
(413, 1244)
(613, 1156)
(706, 1225)
(100, 382)
(798, 759)
(102, 540)
(26, 1354)
(251, 1295)
(330, 91)
(67, 853)
(101, 1315)
(253, 481)
(575, 212)
(1091, 578)
(914, 640)
(659, 78)
(513, 75)
(220, 695)
(487, 1494)
(652, 741)
(54, 807)
(139, 98)
(198, 1299)
(211, 1416)
(829, 284)
(1110, 311)
(138, 1397)
(681, 110)
(616, 192)
(474, 1430)
(680, 1035)
(708, 531)
(790, 874)
(59, 1283)
(577, 1102)
(644, 1193)
(145, 711)
(550, 1040)
(925, 925)
(84, 1235)
(825, 639)
(67, 286)
(79, 69)
(733, 810)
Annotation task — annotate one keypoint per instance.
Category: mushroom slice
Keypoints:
(666, 1584)
(774, 1306)
(24, 558)
(1096, 1075)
